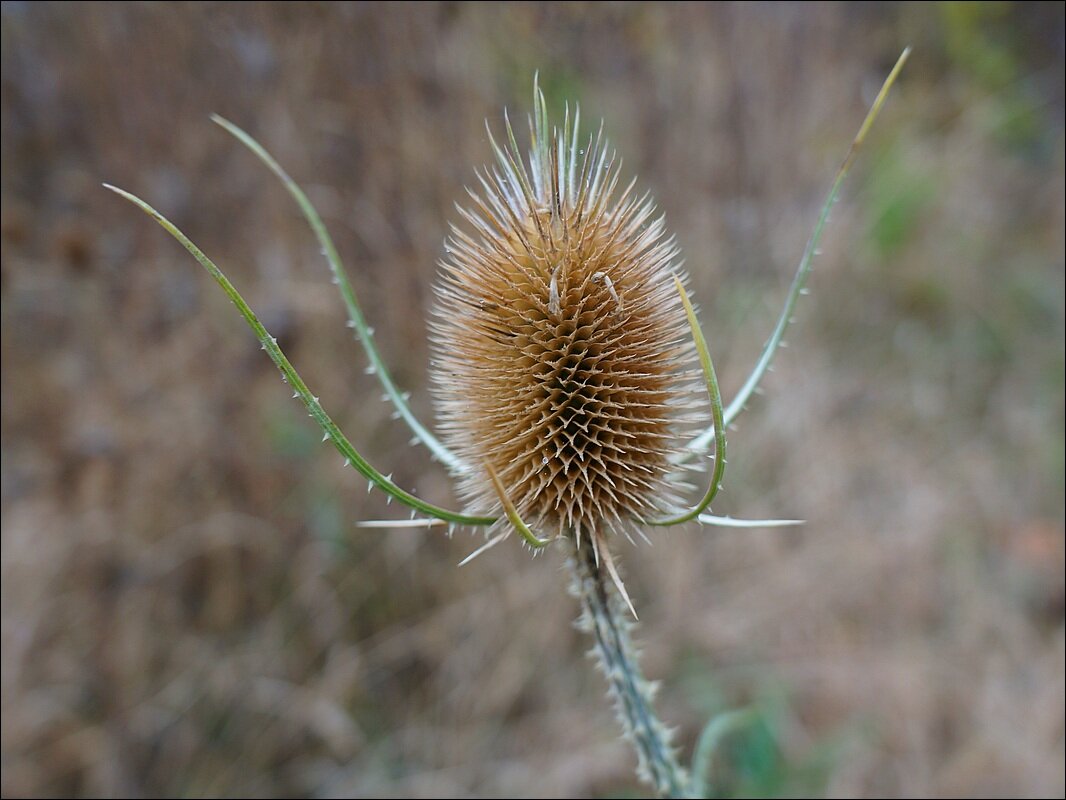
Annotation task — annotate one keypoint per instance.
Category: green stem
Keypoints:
(605, 618)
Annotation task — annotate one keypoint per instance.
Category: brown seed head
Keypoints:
(563, 358)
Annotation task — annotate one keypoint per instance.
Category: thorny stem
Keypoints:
(606, 619)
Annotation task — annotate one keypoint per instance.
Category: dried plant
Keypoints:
(568, 362)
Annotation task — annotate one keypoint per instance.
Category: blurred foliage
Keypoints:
(899, 198)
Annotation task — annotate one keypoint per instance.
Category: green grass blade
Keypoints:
(270, 344)
(720, 726)
(716, 416)
(355, 312)
(701, 442)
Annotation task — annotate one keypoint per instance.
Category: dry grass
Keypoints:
(186, 606)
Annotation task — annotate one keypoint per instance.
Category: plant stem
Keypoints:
(605, 617)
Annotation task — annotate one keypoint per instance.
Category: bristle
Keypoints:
(562, 352)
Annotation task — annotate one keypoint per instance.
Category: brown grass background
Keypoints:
(187, 608)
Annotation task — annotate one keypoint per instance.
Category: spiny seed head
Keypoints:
(562, 354)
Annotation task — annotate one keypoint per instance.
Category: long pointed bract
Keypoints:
(701, 442)
(733, 522)
(355, 311)
(418, 522)
(270, 344)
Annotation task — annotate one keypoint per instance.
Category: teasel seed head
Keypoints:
(563, 359)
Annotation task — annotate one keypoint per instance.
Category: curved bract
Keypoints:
(300, 390)
(803, 271)
(356, 318)
(711, 379)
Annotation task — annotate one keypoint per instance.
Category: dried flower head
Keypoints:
(564, 362)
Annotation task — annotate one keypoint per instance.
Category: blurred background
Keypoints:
(187, 607)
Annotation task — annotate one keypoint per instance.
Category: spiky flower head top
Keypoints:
(564, 366)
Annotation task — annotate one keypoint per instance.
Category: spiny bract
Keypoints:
(563, 359)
